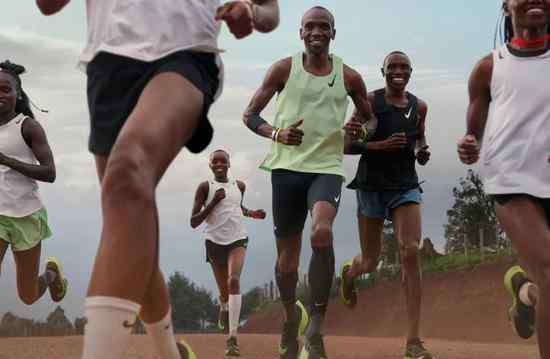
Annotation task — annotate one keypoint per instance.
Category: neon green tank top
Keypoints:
(322, 102)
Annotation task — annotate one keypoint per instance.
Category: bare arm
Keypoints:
(358, 92)
(201, 210)
(50, 7)
(422, 153)
(479, 88)
(35, 137)
(258, 214)
(274, 82)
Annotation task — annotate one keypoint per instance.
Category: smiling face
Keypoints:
(397, 71)
(317, 30)
(8, 94)
(528, 14)
(219, 164)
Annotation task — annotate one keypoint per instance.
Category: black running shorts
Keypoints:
(295, 193)
(218, 254)
(115, 84)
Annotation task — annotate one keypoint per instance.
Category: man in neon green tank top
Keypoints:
(306, 167)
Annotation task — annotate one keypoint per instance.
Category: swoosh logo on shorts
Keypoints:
(330, 84)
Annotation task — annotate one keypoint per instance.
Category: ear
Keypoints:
(333, 34)
(301, 33)
(383, 72)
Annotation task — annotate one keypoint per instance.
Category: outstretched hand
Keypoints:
(238, 16)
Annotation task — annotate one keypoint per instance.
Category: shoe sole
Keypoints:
(347, 302)
(513, 308)
(53, 263)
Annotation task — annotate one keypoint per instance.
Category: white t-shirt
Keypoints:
(224, 225)
(18, 193)
(515, 154)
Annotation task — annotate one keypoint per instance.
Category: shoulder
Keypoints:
(279, 72)
(31, 128)
(483, 68)
(282, 67)
(422, 106)
(351, 74)
(371, 96)
(203, 187)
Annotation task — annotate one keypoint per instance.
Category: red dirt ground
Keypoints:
(464, 306)
(255, 346)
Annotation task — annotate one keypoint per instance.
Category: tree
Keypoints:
(472, 210)
(390, 247)
(252, 300)
(192, 307)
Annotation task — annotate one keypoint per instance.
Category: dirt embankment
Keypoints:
(461, 305)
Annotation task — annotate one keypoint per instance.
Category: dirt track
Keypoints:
(254, 346)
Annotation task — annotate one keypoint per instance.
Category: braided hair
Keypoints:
(22, 104)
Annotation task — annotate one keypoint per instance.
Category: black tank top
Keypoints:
(389, 171)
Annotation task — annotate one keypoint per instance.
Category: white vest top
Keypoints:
(515, 155)
(224, 225)
(18, 194)
(148, 30)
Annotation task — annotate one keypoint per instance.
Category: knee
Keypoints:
(126, 181)
(321, 235)
(287, 264)
(234, 284)
(409, 254)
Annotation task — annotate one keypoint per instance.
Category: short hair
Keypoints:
(219, 150)
(331, 17)
(396, 52)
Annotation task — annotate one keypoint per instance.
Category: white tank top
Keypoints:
(18, 193)
(224, 225)
(515, 154)
(148, 30)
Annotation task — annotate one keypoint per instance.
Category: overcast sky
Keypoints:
(443, 38)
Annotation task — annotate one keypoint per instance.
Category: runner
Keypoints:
(515, 155)
(306, 167)
(25, 158)
(153, 71)
(387, 188)
(219, 203)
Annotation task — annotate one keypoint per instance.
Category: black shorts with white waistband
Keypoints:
(296, 193)
(218, 254)
(115, 84)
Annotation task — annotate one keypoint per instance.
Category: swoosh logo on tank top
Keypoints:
(408, 114)
(330, 84)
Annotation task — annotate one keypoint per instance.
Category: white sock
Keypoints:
(235, 301)
(108, 327)
(162, 334)
(224, 306)
(524, 294)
